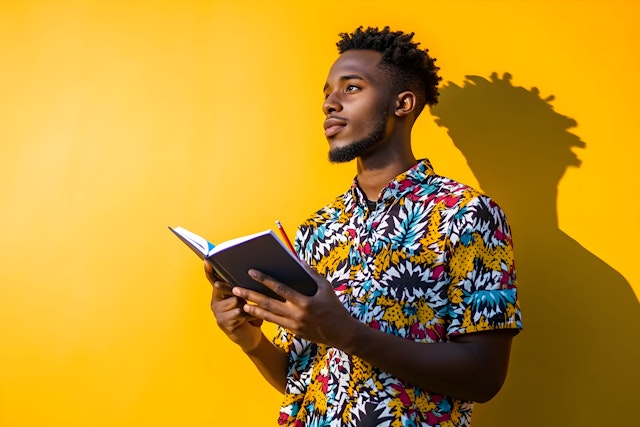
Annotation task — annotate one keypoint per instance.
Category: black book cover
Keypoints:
(261, 251)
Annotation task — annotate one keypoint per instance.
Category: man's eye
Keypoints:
(351, 88)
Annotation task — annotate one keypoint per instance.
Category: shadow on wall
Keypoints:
(577, 361)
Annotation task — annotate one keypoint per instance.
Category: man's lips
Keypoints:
(333, 125)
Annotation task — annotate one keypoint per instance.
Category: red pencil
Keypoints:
(285, 237)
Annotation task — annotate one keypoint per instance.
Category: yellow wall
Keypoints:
(119, 118)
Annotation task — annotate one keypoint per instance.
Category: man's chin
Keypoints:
(352, 150)
(341, 155)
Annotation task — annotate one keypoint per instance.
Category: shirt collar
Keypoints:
(399, 186)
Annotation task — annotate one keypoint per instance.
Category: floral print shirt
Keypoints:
(431, 260)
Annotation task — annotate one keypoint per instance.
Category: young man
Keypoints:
(416, 304)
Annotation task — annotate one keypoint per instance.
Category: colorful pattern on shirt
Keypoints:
(434, 259)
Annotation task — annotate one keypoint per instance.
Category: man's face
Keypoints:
(358, 102)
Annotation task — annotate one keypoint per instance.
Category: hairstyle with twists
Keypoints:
(410, 67)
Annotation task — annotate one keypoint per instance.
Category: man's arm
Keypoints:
(470, 367)
(271, 362)
(244, 330)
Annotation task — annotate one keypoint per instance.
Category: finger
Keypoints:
(230, 320)
(278, 287)
(254, 297)
(227, 304)
(230, 314)
(221, 290)
(255, 311)
(210, 272)
(262, 307)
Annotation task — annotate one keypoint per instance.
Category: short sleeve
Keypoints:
(482, 289)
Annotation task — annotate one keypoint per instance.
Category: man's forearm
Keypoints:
(271, 362)
(472, 368)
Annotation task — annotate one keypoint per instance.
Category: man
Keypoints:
(416, 304)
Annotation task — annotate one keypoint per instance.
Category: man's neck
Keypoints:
(373, 177)
(388, 160)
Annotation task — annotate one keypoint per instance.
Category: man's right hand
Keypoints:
(241, 328)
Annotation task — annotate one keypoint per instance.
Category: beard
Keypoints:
(361, 147)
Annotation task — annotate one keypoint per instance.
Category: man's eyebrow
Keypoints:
(351, 77)
(345, 78)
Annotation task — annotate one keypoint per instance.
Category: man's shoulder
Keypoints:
(462, 201)
(424, 179)
(445, 184)
(436, 188)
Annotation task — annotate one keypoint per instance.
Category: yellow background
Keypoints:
(119, 118)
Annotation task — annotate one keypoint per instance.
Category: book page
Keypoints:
(238, 240)
(200, 243)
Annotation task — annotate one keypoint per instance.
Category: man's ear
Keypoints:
(405, 103)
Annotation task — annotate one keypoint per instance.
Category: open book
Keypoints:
(262, 251)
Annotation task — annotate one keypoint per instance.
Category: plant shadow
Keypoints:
(577, 361)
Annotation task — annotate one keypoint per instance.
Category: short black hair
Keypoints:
(410, 67)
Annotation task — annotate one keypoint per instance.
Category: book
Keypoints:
(263, 251)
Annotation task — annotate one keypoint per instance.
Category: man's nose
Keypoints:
(331, 104)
